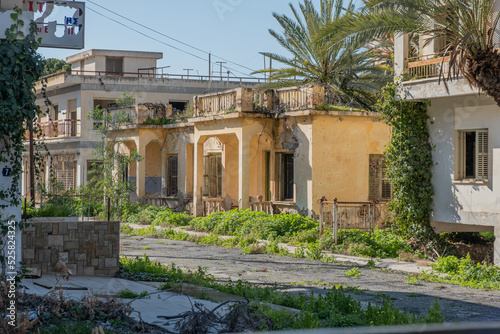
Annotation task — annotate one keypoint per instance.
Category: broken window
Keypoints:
(178, 107)
(473, 155)
(172, 173)
(212, 177)
(380, 188)
(286, 181)
(114, 65)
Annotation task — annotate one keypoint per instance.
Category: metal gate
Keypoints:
(337, 215)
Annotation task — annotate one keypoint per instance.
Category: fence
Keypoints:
(61, 128)
(337, 215)
(266, 207)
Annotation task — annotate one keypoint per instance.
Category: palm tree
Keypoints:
(348, 70)
(467, 27)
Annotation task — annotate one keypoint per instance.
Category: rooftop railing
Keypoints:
(155, 75)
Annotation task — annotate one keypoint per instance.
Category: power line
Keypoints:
(143, 34)
(169, 37)
(157, 40)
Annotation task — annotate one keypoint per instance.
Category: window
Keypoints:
(71, 121)
(380, 188)
(64, 176)
(114, 65)
(473, 155)
(286, 183)
(172, 173)
(178, 107)
(212, 177)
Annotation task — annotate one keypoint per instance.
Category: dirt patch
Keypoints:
(478, 253)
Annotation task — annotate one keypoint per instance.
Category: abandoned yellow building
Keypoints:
(269, 150)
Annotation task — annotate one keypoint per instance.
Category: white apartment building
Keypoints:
(463, 127)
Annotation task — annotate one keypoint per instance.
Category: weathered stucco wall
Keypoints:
(89, 248)
(341, 149)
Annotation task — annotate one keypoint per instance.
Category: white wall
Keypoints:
(475, 203)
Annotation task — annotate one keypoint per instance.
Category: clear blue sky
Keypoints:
(236, 30)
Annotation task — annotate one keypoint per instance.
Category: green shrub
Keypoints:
(465, 272)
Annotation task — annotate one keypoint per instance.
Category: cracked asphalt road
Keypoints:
(303, 275)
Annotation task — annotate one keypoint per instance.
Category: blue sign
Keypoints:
(6, 171)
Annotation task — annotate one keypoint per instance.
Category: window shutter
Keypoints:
(375, 177)
(482, 155)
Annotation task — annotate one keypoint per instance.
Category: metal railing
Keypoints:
(155, 75)
(427, 66)
(60, 128)
(337, 215)
(211, 205)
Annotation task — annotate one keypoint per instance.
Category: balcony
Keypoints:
(247, 100)
(428, 66)
(60, 128)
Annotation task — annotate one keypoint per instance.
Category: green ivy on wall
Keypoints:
(20, 67)
(409, 164)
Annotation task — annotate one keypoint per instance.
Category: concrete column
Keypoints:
(198, 179)
(141, 169)
(244, 171)
(400, 54)
(163, 169)
(496, 246)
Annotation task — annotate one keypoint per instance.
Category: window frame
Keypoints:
(481, 156)
(377, 165)
(212, 175)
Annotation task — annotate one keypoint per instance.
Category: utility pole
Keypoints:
(265, 74)
(209, 66)
(270, 67)
(220, 62)
(188, 69)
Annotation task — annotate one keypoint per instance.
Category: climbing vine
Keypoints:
(20, 67)
(409, 164)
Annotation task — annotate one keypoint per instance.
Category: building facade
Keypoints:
(267, 150)
(463, 129)
(99, 78)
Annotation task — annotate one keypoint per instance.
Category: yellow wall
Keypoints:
(341, 149)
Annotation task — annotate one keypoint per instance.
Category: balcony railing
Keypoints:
(427, 66)
(60, 128)
(211, 205)
(266, 207)
(258, 100)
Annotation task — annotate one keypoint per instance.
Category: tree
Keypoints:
(53, 65)
(347, 69)
(106, 177)
(467, 28)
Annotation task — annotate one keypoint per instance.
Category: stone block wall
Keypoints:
(89, 248)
